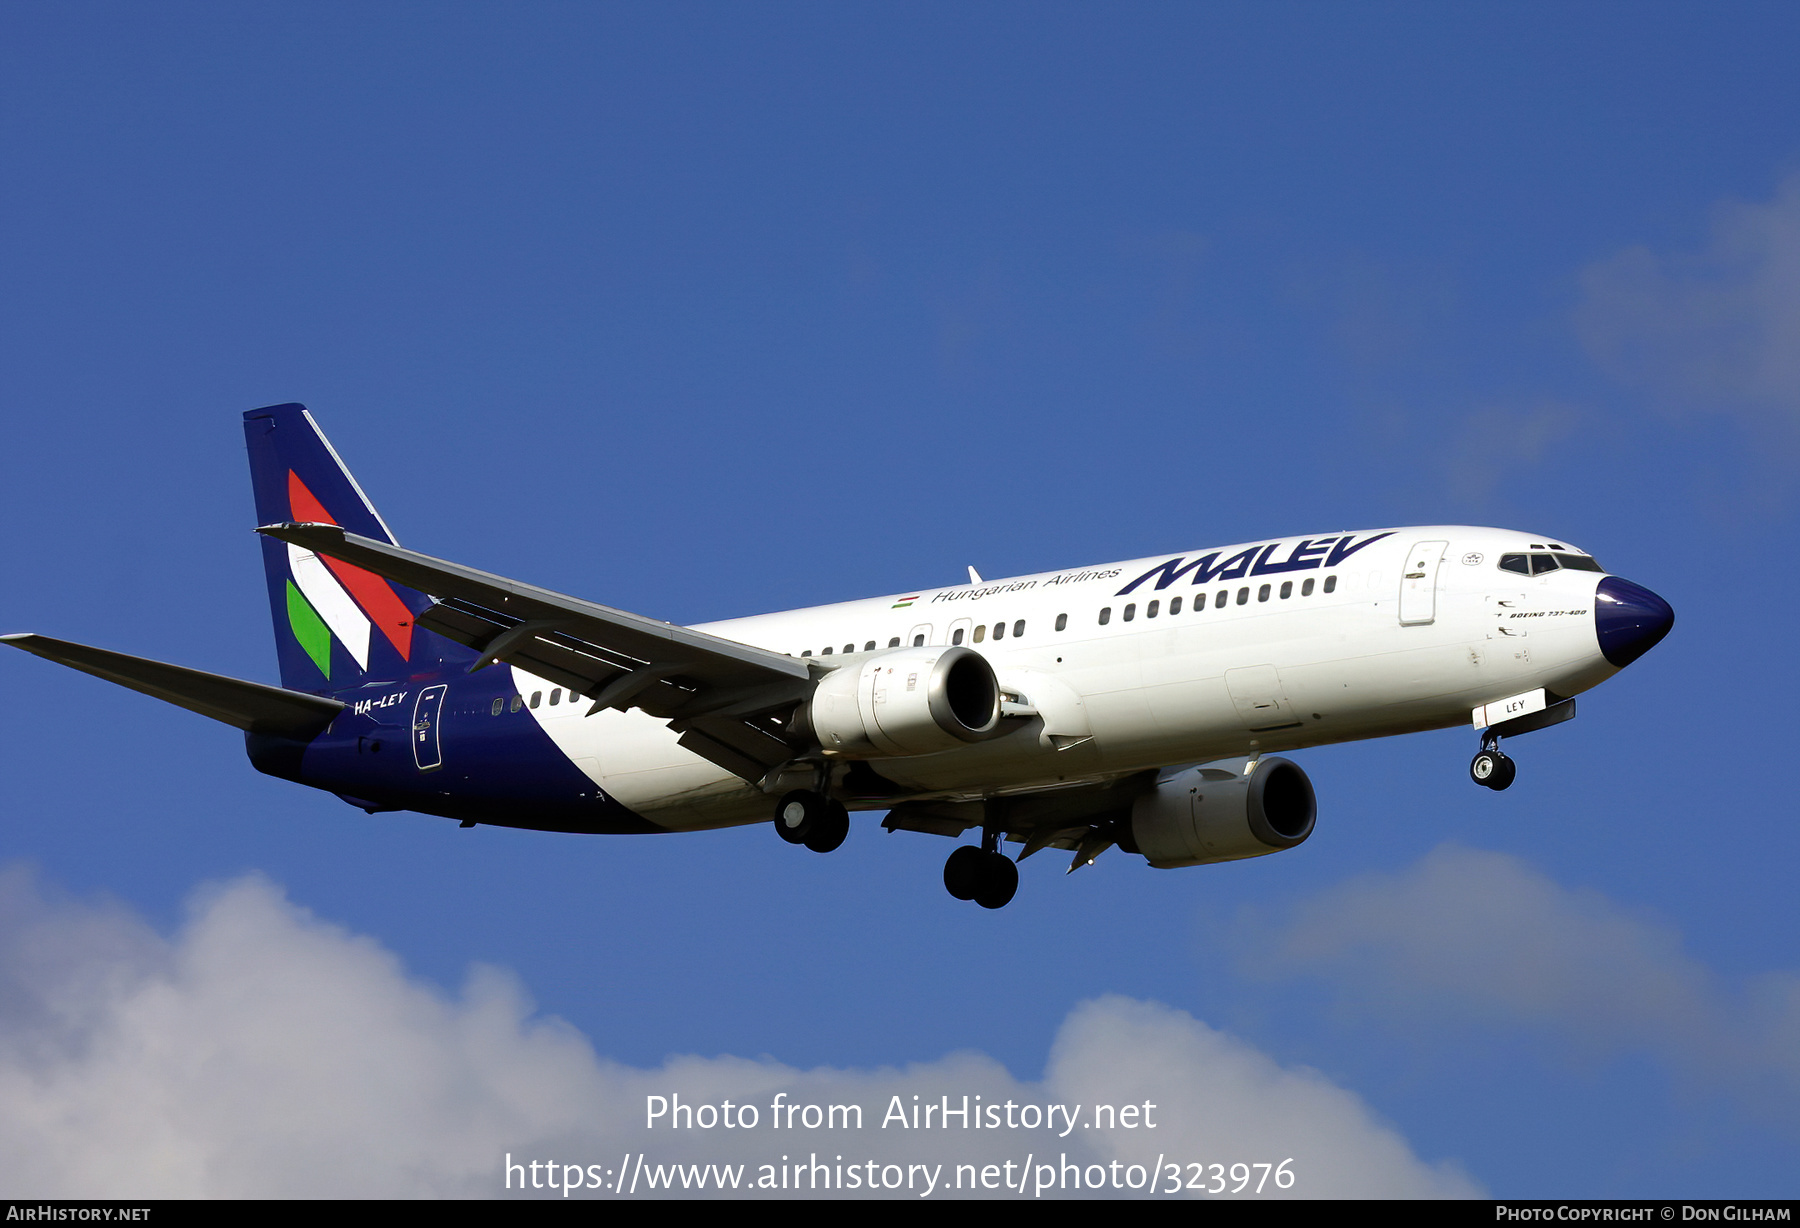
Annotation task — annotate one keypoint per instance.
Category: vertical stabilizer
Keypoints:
(336, 626)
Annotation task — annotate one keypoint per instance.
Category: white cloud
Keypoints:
(1717, 329)
(263, 1053)
(1483, 937)
(1223, 1099)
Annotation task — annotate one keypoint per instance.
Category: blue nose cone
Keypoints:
(1629, 619)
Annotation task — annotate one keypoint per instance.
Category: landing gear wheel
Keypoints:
(798, 813)
(999, 881)
(1492, 769)
(830, 829)
(962, 873)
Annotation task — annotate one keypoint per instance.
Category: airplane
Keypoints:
(1143, 704)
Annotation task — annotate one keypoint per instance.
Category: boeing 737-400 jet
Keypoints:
(1140, 704)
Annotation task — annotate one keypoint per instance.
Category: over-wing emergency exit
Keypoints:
(1143, 704)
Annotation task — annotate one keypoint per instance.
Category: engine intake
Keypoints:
(906, 701)
(1216, 813)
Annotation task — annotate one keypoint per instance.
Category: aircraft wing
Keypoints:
(726, 699)
(250, 706)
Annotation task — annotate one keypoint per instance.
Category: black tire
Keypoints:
(962, 873)
(1484, 766)
(830, 830)
(1504, 776)
(999, 881)
(797, 814)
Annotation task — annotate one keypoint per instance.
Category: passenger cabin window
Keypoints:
(1306, 587)
(1131, 611)
(999, 631)
(1062, 622)
(824, 652)
(980, 633)
(535, 697)
(1153, 609)
(919, 641)
(1330, 584)
(499, 705)
(1105, 615)
(1243, 596)
(518, 701)
(849, 647)
(869, 647)
(1287, 589)
(555, 697)
(1221, 599)
(806, 652)
(1175, 605)
(1262, 594)
(894, 643)
(956, 636)
(1018, 628)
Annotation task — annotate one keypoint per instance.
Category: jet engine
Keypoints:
(1220, 813)
(906, 701)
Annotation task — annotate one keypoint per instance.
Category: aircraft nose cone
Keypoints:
(1629, 619)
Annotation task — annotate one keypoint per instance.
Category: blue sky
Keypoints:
(705, 310)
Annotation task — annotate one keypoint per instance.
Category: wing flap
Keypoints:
(708, 659)
(543, 648)
(251, 706)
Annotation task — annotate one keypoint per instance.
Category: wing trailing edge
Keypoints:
(726, 700)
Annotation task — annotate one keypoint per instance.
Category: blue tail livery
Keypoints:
(336, 624)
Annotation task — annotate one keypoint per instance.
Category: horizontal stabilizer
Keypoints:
(250, 706)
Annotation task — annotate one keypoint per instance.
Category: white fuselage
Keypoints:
(1375, 633)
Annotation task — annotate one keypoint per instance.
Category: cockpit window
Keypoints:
(1537, 564)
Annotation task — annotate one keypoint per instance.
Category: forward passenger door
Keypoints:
(1419, 583)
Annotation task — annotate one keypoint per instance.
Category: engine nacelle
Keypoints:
(906, 701)
(1213, 814)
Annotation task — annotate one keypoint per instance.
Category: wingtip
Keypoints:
(291, 526)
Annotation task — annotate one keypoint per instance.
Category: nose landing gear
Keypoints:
(985, 874)
(1490, 767)
(1495, 770)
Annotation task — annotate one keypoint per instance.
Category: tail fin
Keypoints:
(336, 626)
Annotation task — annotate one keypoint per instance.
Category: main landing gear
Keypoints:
(985, 874)
(1491, 768)
(812, 819)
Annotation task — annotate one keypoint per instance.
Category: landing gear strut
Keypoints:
(985, 874)
(812, 819)
(1490, 767)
